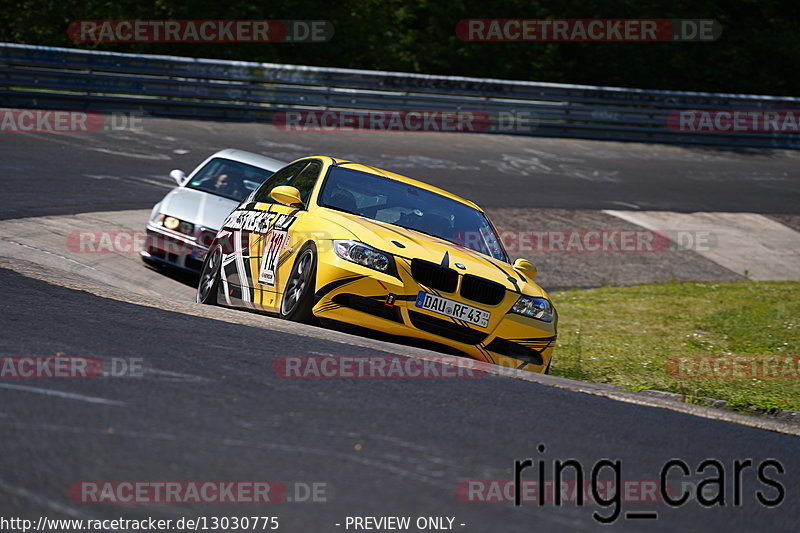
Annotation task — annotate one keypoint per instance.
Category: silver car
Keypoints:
(183, 224)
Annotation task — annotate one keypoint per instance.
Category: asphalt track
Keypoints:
(210, 407)
(48, 173)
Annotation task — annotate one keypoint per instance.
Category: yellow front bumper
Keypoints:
(357, 295)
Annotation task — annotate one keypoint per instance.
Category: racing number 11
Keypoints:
(276, 240)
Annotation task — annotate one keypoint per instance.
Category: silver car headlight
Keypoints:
(175, 224)
(538, 308)
(364, 255)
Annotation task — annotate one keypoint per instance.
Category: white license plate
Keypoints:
(446, 307)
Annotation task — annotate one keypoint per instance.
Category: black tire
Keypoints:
(298, 294)
(208, 286)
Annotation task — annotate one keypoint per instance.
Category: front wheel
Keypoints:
(298, 295)
(208, 288)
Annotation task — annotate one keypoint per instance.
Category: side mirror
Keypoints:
(286, 195)
(525, 267)
(178, 175)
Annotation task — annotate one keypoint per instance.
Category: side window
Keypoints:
(281, 177)
(305, 181)
(301, 175)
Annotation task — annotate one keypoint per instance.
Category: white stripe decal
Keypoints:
(240, 268)
(226, 260)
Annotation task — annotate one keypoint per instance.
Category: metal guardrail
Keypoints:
(64, 78)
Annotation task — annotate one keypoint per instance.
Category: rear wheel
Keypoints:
(208, 288)
(298, 295)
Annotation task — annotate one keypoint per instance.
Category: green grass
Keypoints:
(625, 335)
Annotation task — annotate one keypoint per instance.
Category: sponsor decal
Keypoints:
(276, 242)
(256, 221)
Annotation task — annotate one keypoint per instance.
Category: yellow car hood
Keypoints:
(419, 245)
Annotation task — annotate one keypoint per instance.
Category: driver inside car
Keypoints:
(229, 182)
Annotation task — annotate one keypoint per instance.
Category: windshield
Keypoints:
(227, 178)
(387, 200)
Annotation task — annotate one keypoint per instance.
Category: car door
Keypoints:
(266, 236)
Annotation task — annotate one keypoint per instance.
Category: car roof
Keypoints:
(398, 177)
(250, 158)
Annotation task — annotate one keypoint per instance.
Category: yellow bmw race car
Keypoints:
(332, 239)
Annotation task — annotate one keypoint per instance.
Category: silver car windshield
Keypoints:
(387, 200)
(229, 179)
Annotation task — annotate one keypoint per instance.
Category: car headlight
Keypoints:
(538, 308)
(175, 224)
(362, 254)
